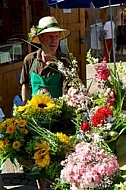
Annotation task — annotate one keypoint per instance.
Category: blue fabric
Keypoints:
(51, 3)
(82, 3)
(74, 4)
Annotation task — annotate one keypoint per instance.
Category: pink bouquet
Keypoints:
(89, 167)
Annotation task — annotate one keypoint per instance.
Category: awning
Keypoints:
(64, 4)
(68, 3)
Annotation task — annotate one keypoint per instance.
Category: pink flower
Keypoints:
(33, 31)
(102, 71)
(87, 166)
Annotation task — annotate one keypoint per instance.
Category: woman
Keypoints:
(109, 28)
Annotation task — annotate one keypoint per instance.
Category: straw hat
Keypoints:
(47, 24)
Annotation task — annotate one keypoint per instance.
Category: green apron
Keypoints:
(52, 83)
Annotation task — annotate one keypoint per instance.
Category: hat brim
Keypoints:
(63, 34)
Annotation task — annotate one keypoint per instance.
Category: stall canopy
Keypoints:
(66, 4)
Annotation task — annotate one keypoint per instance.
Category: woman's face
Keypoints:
(50, 41)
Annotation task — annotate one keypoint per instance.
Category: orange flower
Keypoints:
(25, 131)
(11, 129)
(4, 143)
(21, 123)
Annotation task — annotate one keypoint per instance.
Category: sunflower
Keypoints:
(16, 145)
(41, 160)
(41, 156)
(42, 102)
(64, 139)
(43, 147)
(19, 109)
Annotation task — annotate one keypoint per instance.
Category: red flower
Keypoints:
(105, 110)
(101, 115)
(85, 126)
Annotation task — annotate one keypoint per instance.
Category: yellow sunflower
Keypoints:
(64, 138)
(41, 156)
(42, 102)
(20, 108)
(42, 147)
(41, 161)
(16, 145)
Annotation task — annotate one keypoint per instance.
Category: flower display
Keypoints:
(100, 125)
(74, 140)
(89, 167)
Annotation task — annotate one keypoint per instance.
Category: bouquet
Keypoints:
(105, 112)
(100, 125)
(13, 139)
(90, 166)
(35, 147)
(53, 114)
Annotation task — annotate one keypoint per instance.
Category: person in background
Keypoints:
(39, 69)
(109, 28)
(18, 98)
